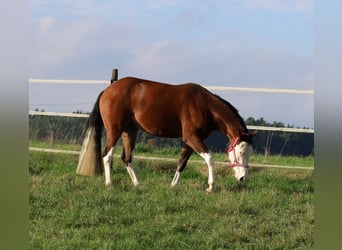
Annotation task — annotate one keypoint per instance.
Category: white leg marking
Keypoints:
(106, 163)
(132, 174)
(210, 162)
(175, 179)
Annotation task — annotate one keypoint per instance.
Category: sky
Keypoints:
(241, 43)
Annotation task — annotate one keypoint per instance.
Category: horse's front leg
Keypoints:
(196, 144)
(210, 162)
(128, 142)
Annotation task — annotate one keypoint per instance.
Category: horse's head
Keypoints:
(239, 153)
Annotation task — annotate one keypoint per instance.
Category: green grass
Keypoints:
(273, 210)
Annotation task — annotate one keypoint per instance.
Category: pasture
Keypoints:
(273, 210)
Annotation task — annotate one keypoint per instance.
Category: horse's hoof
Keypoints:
(109, 184)
(210, 189)
(137, 184)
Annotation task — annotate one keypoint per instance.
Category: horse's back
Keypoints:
(158, 108)
(132, 86)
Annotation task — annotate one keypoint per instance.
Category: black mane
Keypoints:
(244, 137)
(234, 110)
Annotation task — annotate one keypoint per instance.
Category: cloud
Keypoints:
(166, 59)
(46, 23)
(55, 41)
(155, 54)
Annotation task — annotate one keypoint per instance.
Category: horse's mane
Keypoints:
(233, 109)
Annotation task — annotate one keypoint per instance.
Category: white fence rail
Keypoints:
(223, 88)
(32, 113)
(59, 81)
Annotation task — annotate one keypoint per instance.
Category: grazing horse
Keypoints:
(186, 111)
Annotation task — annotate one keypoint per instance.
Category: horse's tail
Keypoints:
(90, 161)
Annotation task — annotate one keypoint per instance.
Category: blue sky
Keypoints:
(244, 43)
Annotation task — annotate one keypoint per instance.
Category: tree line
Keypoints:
(58, 129)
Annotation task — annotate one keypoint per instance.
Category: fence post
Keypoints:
(114, 75)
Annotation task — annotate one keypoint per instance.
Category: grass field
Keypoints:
(273, 210)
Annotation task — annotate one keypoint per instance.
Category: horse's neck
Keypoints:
(231, 126)
(228, 120)
(234, 131)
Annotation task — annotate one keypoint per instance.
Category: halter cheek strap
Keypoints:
(232, 148)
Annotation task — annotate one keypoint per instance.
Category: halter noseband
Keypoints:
(232, 148)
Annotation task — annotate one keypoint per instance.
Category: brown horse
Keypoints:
(186, 111)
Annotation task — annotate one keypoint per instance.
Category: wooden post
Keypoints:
(114, 75)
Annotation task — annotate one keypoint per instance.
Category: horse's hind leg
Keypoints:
(185, 155)
(128, 142)
(108, 156)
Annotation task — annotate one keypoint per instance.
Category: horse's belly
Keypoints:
(161, 126)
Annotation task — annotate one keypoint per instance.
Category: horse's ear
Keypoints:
(253, 134)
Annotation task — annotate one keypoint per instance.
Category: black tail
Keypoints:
(90, 160)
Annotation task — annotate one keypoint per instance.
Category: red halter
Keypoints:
(232, 148)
